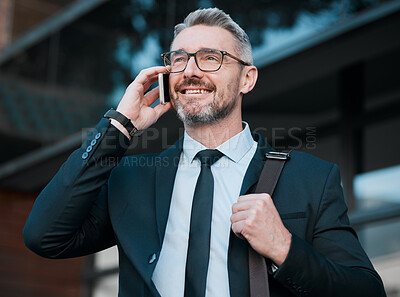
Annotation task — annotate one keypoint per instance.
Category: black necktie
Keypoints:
(200, 227)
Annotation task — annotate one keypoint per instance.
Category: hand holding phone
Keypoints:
(163, 85)
(137, 104)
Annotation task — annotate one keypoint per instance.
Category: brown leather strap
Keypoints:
(258, 273)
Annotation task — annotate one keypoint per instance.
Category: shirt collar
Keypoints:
(234, 148)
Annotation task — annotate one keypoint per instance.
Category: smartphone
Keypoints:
(163, 85)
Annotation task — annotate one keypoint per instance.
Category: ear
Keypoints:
(249, 79)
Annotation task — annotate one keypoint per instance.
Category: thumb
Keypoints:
(160, 109)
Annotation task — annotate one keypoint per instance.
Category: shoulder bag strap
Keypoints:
(266, 184)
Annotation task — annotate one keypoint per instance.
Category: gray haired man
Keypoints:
(184, 228)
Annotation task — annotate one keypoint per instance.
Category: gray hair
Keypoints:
(216, 17)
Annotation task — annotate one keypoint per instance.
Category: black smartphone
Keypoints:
(163, 85)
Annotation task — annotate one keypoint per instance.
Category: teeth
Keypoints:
(201, 91)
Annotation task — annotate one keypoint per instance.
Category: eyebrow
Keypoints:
(182, 49)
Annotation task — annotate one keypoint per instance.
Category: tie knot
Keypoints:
(209, 157)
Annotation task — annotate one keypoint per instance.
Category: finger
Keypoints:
(154, 78)
(239, 235)
(150, 97)
(160, 109)
(239, 216)
(148, 73)
(149, 82)
(237, 228)
(241, 206)
(251, 197)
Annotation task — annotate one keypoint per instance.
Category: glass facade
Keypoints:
(102, 51)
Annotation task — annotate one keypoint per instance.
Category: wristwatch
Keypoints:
(123, 120)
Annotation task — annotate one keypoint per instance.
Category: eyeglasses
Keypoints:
(207, 60)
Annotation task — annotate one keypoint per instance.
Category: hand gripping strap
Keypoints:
(258, 273)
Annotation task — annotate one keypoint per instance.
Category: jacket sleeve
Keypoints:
(334, 263)
(70, 216)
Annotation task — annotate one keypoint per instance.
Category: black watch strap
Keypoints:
(123, 120)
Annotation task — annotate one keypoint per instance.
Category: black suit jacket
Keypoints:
(100, 198)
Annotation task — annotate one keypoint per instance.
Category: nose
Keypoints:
(192, 70)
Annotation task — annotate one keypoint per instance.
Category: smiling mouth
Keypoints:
(195, 91)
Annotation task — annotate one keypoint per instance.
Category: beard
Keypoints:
(193, 113)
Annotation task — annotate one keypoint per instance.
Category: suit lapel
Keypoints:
(165, 178)
(256, 165)
(165, 172)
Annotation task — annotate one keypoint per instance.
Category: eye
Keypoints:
(178, 57)
(211, 58)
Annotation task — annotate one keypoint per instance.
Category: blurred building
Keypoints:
(329, 85)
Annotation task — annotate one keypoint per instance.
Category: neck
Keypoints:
(213, 135)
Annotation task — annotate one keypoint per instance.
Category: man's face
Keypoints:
(205, 97)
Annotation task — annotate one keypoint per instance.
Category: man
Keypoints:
(144, 205)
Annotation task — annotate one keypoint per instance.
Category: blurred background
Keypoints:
(329, 84)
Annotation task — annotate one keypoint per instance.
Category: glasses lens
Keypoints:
(209, 59)
(176, 59)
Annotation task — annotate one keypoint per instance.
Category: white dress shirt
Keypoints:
(228, 172)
